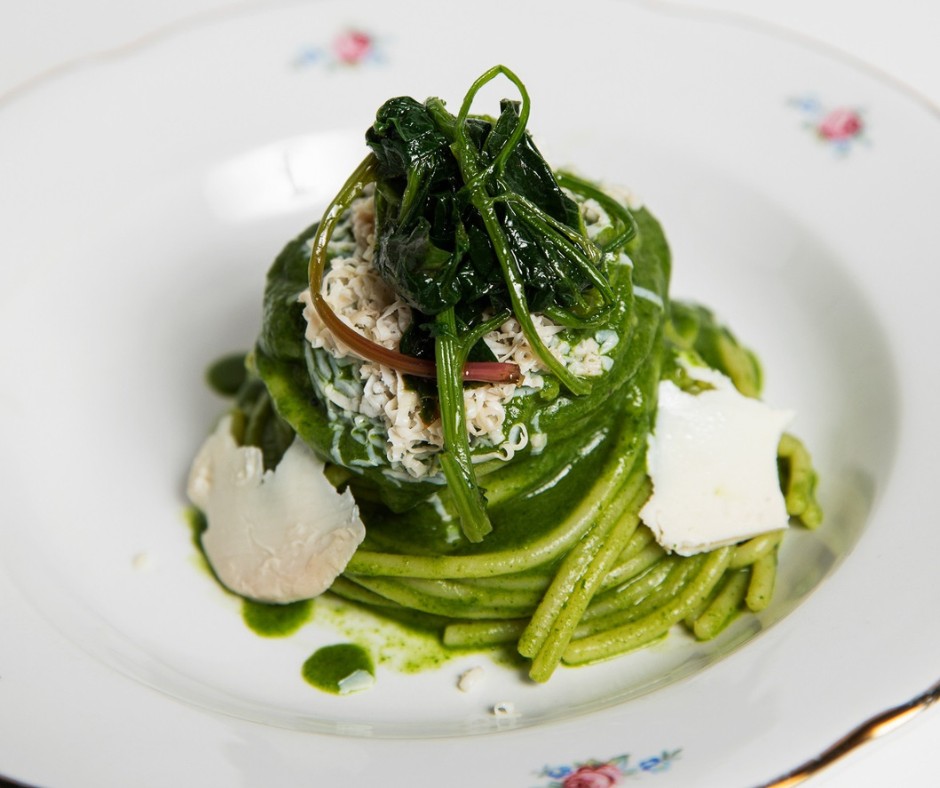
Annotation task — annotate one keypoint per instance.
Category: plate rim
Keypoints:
(114, 56)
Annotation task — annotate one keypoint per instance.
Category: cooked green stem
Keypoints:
(456, 462)
(475, 177)
(619, 215)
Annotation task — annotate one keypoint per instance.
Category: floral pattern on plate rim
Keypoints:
(605, 774)
(839, 127)
(348, 48)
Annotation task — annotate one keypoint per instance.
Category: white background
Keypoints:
(41, 37)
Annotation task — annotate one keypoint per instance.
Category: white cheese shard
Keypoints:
(276, 536)
(712, 458)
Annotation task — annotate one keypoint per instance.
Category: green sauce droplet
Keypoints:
(330, 665)
(276, 621)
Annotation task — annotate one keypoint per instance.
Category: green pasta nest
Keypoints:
(544, 550)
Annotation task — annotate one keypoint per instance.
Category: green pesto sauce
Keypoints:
(276, 621)
(403, 641)
(406, 641)
(405, 644)
(196, 521)
(328, 666)
(270, 621)
(518, 518)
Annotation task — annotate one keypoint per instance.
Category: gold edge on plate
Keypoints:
(873, 728)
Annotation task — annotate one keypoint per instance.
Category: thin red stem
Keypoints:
(479, 371)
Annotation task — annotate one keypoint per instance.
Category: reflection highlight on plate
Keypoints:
(289, 175)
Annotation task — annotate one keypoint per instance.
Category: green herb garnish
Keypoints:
(470, 222)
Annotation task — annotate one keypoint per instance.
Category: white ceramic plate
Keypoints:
(142, 200)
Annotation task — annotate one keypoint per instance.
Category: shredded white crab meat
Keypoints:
(355, 291)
